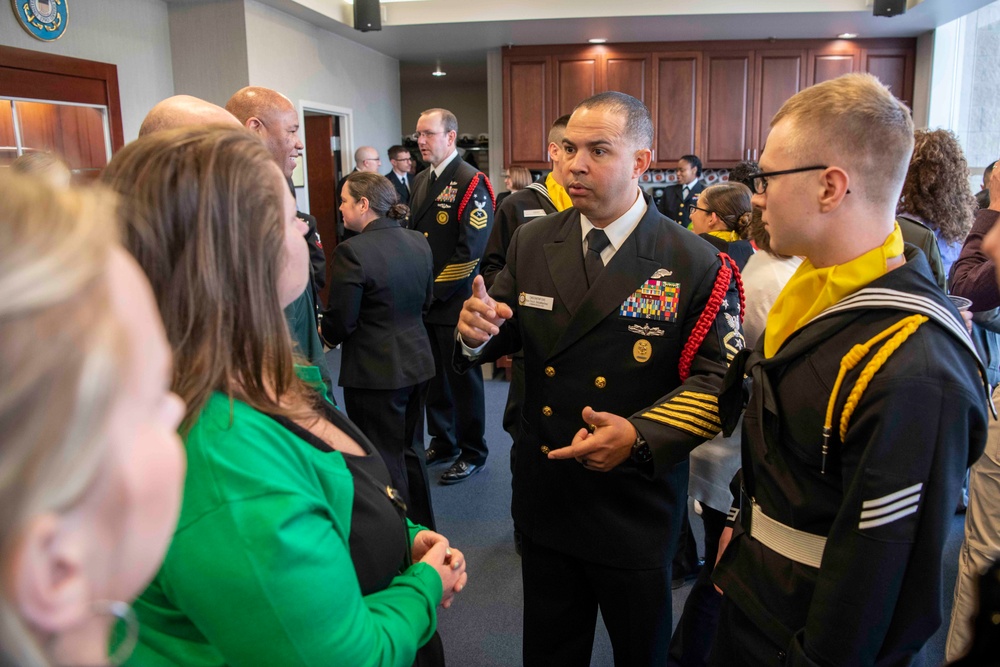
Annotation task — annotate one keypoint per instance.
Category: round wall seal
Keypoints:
(42, 19)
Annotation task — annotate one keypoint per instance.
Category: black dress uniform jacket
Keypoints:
(457, 243)
(675, 207)
(889, 490)
(582, 351)
(520, 207)
(401, 190)
(380, 286)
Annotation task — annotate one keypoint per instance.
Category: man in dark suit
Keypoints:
(399, 157)
(677, 199)
(605, 299)
(380, 286)
(452, 206)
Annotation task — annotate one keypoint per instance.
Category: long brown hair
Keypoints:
(203, 217)
(937, 185)
(731, 202)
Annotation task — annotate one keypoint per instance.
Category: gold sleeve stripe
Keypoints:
(697, 394)
(677, 400)
(693, 419)
(456, 271)
(704, 414)
(682, 426)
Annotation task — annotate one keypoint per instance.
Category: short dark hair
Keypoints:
(638, 122)
(394, 151)
(694, 161)
(742, 173)
(988, 171)
(558, 129)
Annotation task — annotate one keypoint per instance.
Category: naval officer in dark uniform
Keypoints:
(452, 206)
(678, 199)
(625, 320)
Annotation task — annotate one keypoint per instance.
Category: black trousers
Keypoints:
(739, 642)
(456, 409)
(389, 417)
(695, 633)
(562, 595)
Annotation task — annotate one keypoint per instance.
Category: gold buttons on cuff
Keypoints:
(547, 411)
(600, 382)
(549, 371)
(545, 450)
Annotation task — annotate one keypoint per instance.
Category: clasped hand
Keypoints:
(432, 548)
(604, 449)
(481, 316)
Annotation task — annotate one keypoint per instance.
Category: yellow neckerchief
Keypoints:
(726, 235)
(557, 194)
(810, 291)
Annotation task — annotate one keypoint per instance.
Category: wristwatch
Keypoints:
(641, 453)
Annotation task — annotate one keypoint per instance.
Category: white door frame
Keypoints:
(346, 116)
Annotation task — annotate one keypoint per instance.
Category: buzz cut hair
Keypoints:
(448, 119)
(558, 129)
(856, 121)
(638, 121)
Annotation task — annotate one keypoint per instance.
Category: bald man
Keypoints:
(181, 110)
(274, 119)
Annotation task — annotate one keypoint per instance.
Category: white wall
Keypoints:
(307, 63)
(208, 44)
(131, 34)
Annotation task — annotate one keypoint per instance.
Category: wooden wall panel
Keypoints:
(677, 116)
(576, 80)
(826, 66)
(526, 85)
(779, 75)
(894, 68)
(727, 86)
(629, 74)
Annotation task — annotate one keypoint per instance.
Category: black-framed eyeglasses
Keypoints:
(401, 159)
(703, 210)
(758, 182)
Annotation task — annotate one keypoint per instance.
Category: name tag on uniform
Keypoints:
(535, 301)
(534, 212)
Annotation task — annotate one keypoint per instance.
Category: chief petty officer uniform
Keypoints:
(606, 539)
(454, 213)
(840, 563)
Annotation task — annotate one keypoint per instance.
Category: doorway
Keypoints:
(327, 140)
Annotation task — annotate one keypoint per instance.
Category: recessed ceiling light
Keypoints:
(847, 35)
(438, 72)
(597, 40)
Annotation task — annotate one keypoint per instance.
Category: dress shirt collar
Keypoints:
(444, 164)
(618, 230)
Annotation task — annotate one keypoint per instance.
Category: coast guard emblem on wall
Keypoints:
(42, 19)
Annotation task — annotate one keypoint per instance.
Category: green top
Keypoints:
(259, 571)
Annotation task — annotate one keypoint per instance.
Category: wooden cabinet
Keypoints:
(677, 112)
(527, 111)
(728, 78)
(778, 75)
(711, 99)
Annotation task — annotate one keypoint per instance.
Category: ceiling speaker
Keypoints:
(367, 15)
(888, 7)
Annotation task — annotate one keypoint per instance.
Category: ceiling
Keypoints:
(458, 33)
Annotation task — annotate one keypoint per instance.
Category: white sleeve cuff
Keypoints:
(469, 352)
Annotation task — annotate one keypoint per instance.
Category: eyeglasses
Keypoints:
(400, 159)
(758, 181)
(703, 210)
(373, 159)
(426, 135)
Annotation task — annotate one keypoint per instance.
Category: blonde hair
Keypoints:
(205, 220)
(520, 177)
(61, 362)
(855, 121)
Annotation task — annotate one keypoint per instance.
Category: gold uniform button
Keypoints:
(600, 382)
(426, 235)
(545, 450)
(547, 411)
(549, 371)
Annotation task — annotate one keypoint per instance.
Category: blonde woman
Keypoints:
(91, 468)
(292, 546)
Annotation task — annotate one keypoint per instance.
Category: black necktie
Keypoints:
(433, 177)
(597, 241)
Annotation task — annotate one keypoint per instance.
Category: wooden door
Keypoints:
(629, 73)
(577, 77)
(527, 111)
(779, 74)
(833, 61)
(676, 107)
(894, 68)
(322, 172)
(728, 86)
